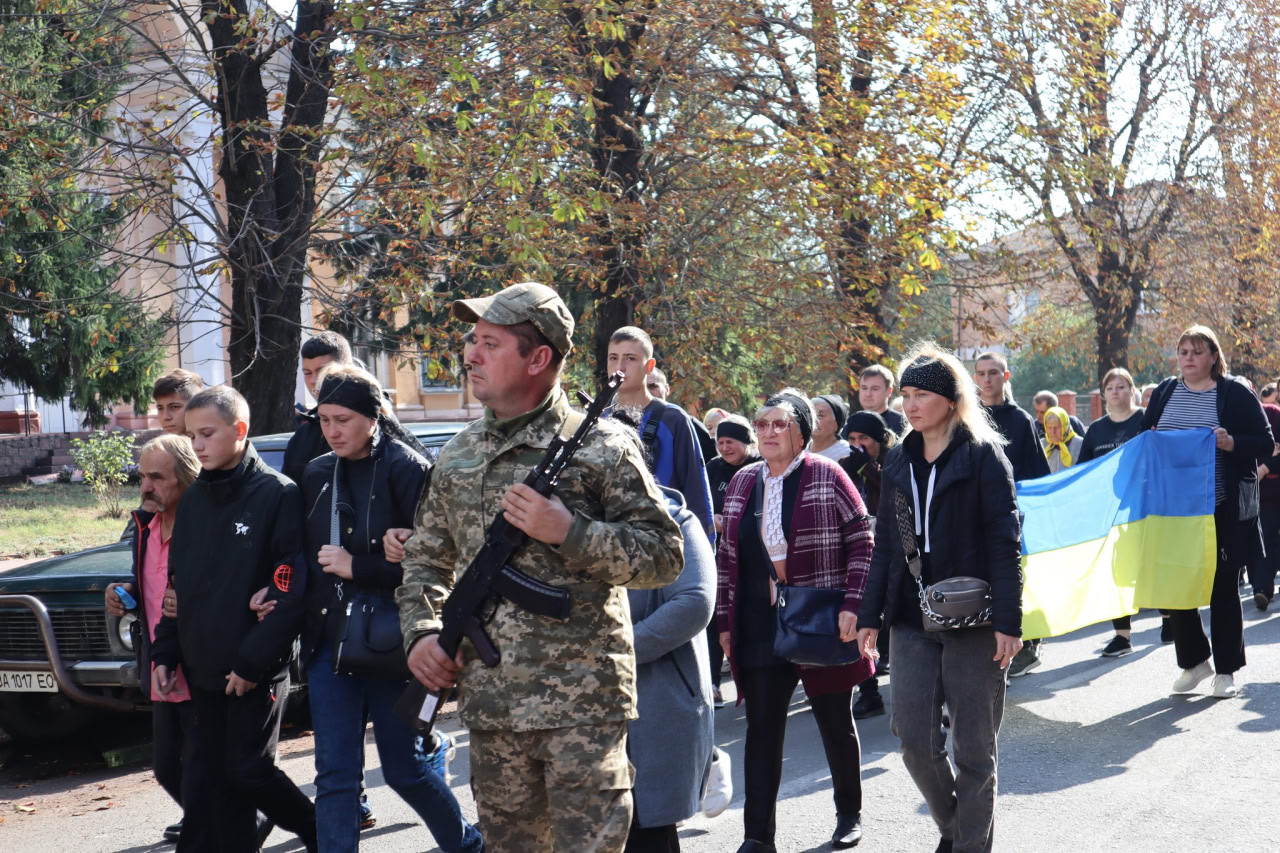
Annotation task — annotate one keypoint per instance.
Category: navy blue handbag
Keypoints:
(808, 618)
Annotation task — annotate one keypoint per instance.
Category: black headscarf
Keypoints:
(365, 397)
(838, 408)
(803, 411)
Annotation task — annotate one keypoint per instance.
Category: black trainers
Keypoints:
(868, 705)
(1024, 661)
(1166, 630)
(1262, 601)
(1118, 647)
(173, 832)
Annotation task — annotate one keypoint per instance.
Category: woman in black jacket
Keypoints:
(371, 481)
(958, 495)
(1204, 395)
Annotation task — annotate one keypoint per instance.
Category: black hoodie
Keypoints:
(1024, 450)
(235, 533)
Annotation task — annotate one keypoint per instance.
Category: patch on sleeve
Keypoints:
(282, 577)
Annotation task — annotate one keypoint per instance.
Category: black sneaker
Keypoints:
(717, 698)
(1262, 601)
(1024, 661)
(1166, 630)
(868, 705)
(1118, 647)
(173, 832)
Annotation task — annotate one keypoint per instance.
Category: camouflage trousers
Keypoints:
(567, 790)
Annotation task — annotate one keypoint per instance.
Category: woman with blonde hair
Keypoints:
(946, 497)
(1205, 395)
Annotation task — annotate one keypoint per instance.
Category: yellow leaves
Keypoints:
(910, 285)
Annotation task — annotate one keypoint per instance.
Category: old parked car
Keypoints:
(63, 659)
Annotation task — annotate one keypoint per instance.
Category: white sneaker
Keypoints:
(1187, 682)
(1224, 686)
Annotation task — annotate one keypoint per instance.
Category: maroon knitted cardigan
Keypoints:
(829, 545)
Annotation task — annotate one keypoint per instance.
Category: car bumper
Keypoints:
(73, 678)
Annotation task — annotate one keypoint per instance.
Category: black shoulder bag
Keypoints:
(808, 618)
(959, 602)
(367, 643)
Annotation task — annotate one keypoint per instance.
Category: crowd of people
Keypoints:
(796, 542)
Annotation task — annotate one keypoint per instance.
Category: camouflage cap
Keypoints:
(529, 301)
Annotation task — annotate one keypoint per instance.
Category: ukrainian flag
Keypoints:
(1131, 529)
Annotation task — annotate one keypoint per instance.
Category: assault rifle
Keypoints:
(490, 577)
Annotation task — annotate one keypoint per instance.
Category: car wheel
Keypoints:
(36, 717)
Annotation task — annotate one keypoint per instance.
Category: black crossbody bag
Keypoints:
(367, 642)
(808, 618)
(959, 602)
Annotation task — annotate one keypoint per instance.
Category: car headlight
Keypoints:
(125, 630)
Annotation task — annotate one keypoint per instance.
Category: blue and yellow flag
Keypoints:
(1131, 529)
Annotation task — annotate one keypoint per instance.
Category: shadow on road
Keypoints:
(1120, 738)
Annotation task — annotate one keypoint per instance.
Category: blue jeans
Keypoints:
(337, 715)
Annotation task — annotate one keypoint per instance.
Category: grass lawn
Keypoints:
(38, 521)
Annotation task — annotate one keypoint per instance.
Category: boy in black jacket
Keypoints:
(238, 529)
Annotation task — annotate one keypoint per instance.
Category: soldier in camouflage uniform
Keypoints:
(548, 725)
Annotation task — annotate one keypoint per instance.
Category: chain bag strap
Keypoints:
(959, 602)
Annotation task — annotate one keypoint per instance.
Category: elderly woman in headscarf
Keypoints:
(1061, 444)
(796, 515)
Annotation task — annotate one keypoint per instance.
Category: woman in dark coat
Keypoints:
(370, 482)
(810, 526)
(1205, 396)
(956, 489)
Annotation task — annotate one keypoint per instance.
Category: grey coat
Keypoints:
(670, 744)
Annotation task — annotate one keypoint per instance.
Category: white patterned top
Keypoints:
(775, 537)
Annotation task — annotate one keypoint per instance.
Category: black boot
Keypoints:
(750, 846)
(869, 704)
(848, 831)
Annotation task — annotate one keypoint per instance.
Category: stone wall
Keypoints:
(19, 452)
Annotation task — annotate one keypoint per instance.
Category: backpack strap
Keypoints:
(649, 437)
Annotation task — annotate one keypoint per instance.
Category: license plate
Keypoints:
(27, 682)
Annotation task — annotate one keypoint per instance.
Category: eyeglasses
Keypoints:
(780, 425)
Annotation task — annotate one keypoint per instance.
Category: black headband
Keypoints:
(728, 429)
(838, 408)
(350, 393)
(930, 375)
(803, 411)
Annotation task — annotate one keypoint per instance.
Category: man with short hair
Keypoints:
(238, 530)
(548, 724)
(167, 466)
(308, 440)
(666, 430)
(171, 393)
(660, 389)
(875, 390)
(1042, 402)
(1024, 452)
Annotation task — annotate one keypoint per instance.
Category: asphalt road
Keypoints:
(1095, 755)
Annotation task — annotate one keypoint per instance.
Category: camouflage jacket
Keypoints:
(553, 674)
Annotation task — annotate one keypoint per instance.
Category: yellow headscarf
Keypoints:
(1067, 435)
